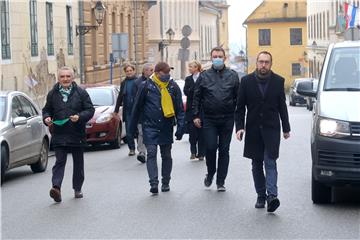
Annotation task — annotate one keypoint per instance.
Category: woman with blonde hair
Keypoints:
(197, 146)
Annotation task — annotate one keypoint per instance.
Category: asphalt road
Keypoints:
(117, 203)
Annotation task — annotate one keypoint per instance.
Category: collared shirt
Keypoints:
(196, 76)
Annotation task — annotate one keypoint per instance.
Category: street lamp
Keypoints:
(99, 11)
(163, 43)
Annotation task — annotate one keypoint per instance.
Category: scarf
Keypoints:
(65, 92)
(166, 100)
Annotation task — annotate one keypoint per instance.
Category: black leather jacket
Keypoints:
(216, 93)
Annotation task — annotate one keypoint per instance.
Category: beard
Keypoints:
(263, 71)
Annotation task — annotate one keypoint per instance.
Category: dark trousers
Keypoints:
(265, 183)
(130, 140)
(217, 133)
(197, 144)
(166, 163)
(59, 167)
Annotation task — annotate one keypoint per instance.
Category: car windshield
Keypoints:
(101, 96)
(2, 108)
(343, 72)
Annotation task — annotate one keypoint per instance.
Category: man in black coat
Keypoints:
(159, 102)
(215, 94)
(148, 70)
(262, 94)
(67, 110)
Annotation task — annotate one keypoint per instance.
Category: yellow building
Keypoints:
(280, 28)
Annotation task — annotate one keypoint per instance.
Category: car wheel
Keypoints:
(117, 142)
(41, 164)
(320, 193)
(4, 162)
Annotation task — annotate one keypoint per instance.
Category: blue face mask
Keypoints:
(165, 78)
(218, 63)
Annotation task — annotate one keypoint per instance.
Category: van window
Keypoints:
(343, 71)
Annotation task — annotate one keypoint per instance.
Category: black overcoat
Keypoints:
(263, 114)
(79, 102)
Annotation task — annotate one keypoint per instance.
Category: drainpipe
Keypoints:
(135, 33)
(247, 48)
(161, 29)
(81, 42)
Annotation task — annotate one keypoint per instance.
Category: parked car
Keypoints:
(105, 126)
(294, 97)
(310, 101)
(23, 136)
(335, 136)
(181, 84)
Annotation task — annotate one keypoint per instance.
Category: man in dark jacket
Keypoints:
(126, 99)
(148, 70)
(67, 110)
(216, 92)
(262, 94)
(159, 101)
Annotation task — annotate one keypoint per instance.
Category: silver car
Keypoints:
(23, 136)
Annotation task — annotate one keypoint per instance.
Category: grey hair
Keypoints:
(66, 68)
(147, 65)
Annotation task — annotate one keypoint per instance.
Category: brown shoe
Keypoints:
(132, 153)
(78, 194)
(55, 194)
(192, 156)
(201, 158)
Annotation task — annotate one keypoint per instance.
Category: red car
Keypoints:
(105, 126)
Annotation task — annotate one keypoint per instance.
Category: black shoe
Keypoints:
(154, 190)
(141, 158)
(272, 203)
(260, 202)
(165, 188)
(207, 180)
(221, 188)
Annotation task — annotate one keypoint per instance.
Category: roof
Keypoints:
(278, 11)
(347, 44)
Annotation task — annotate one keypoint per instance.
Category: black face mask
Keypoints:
(165, 78)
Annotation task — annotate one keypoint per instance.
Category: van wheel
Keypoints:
(320, 193)
(4, 162)
(41, 164)
(117, 142)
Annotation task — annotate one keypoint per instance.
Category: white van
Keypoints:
(335, 137)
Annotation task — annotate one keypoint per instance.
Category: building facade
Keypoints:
(173, 15)
(280, 28)
(126, 17)
(326, 24)
(37, 38)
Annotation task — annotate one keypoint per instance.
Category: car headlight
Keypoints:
(334, 128)
(104, 118)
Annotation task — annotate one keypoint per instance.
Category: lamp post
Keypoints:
(99, 11)
(164, 43)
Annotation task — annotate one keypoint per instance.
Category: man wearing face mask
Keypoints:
(215, 93)
(262, 97)
(159, 102)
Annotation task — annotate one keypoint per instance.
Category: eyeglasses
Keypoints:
(264, 62)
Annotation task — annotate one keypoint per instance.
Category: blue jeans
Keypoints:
(217, 133)
(166, 163)
(265, 183)
(130, 140)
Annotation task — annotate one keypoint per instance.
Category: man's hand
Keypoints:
(239, 134)
(178, 135)
(74, 118)
(286, 135)
(48, 121)
(197, 122)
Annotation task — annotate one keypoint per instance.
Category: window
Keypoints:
(264, 37)
(33, 28)
(296, 69)
(69, 30)
(295, 36)
(49, 29)
(5, 30)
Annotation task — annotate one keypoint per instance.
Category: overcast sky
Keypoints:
(239, 10)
